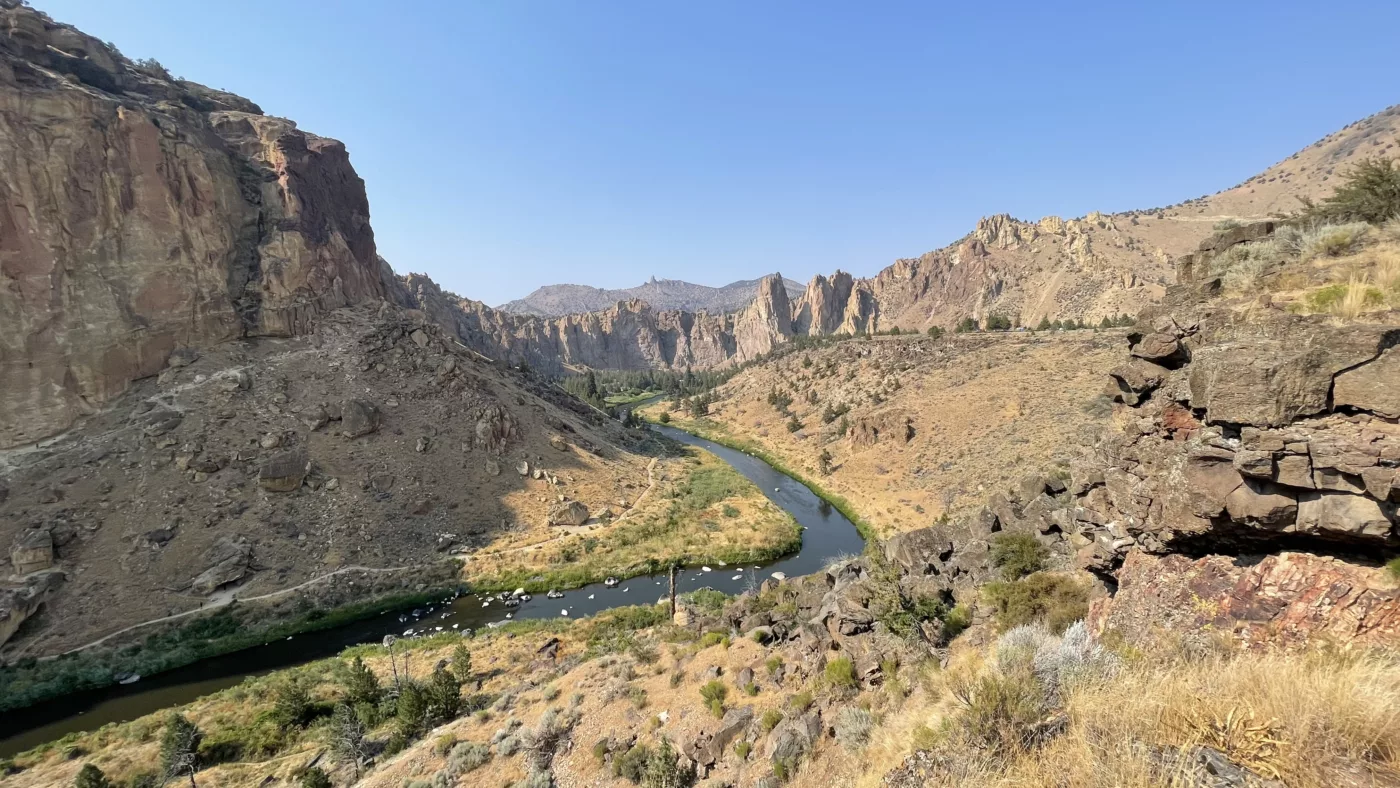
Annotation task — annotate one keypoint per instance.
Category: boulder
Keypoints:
(285, 471)
(230, 560)
(358, 417)
(1373, 386)
(21, 601)
(793, 738)
(1259, 464)
(920, 552)
(569, 513)
(1162, 349)
(1261, 503)
(1131, 383)
(494, 430)
(1342, 514)
(558, 442)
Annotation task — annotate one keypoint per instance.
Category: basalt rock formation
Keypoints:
(661, 294)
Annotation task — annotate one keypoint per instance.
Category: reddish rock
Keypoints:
(1288, 599)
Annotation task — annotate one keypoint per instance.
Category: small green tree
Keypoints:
(444, 696)
(91, 777)
(315, 777)
(664, 770)
(935, 332)
(179, 748)
(1044, 324)
(825, 460)
(292, 708)
(412, 709)
(664, 418)
(361, 685)
(966, 325)
(1370, 192)
(462, 663)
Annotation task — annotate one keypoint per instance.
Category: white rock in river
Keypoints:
(779, 576)
(563, 612)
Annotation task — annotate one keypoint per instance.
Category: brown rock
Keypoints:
(1294, 470)
(569, 513)
(32, 551)
(358, 417)
(1341, 513)
(285, 472)
(1163, 349)
(1373, 386)
(1286, 599)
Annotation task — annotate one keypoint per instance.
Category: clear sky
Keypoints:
(515, 143)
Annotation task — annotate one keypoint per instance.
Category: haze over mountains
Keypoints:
(556, 300)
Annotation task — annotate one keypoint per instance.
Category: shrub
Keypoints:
(508, 746)
(711, 601)
(1055, 599)
(714, 693)
(444, 743)
(91, 777)
(1393, 567)
(853, 726)
(462, 663)
(730, 511)
(935, 332)
(1018, 555)
(1071, 660)
(467, 756)
(801, 701)
(741, 749)
(542, 778)
(315, 777)
(770, 720)
(664, 418)
(292, 708)
(1370, 192)
(638, 696)
(664, 770)
(956, 620)
(632, 764)
(714, 639)
(774, 662)
(840, 673)
(751, 689)
(924, 738)
(1000, 710)
(360, 683)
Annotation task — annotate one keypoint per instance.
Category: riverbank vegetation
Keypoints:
(706, 513)
(660, 413)
(222, 631)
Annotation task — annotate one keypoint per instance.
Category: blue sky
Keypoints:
(515, 143)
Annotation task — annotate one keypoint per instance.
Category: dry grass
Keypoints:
(1324, 718)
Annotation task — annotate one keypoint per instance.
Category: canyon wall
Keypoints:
(140, 214)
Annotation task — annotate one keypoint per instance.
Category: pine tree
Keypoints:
(361, 685)
(444, 696)
(462, 663)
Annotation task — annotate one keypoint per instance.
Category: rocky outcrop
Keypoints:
(229, 560)
(19, 601)
(1288, 599)
(140, 214)
(661, 294)
(32, 551)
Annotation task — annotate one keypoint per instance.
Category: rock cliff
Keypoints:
(140, 214)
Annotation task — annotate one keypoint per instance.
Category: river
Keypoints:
(827, 534)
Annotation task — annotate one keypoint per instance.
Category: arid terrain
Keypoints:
(915, 427)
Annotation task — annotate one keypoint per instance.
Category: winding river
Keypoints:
(827, 534)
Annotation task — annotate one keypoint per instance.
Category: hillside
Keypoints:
(662, 294)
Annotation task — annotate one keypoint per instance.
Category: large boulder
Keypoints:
(20, 601)
(229, 560)
(920, 552)
(569, 513)
(793, 738)
(1342, 514)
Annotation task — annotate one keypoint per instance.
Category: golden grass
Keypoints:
(1323, 718)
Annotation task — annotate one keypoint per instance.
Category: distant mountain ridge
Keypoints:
(661, 294)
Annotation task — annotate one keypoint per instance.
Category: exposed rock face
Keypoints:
(32, 551)
(19, 601)
(1288, 599)
(139, 214)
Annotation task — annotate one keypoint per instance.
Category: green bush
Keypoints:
(315, 777)
(664, 768)
(770, 720)
(709, 600)
(1018, 555)
(801, 701)
(1055, 599)
(91, 777)
(467, 756)
(1393, 567)
(664, 418)
(773, 663)
(714, 639)
(741, 749)
(632, 764)
(841, 673)
(956, 620)
(714, 692)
